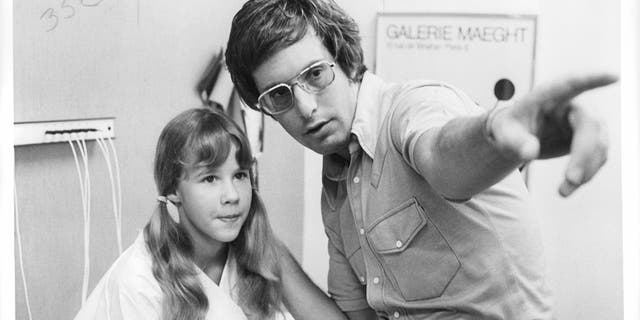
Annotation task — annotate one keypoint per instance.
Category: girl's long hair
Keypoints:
(207, 136)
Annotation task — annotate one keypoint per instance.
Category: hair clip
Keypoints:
(171, 208)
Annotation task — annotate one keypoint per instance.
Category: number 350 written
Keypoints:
(52, 16)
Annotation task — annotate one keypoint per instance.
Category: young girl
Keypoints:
(207, 252)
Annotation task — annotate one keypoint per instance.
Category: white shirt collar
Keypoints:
(367, 118)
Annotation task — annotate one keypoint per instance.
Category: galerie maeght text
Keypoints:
(446, 33)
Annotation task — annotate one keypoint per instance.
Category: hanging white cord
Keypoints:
(107, 157)
(87, 219)
(119, 189)
(19, 240)
(83, 194)
(75, 158)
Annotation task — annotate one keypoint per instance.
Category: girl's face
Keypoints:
(214, 203)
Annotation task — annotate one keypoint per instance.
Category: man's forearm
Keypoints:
(459, 160)
(302, 297)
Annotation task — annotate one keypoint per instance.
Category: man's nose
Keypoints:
(306, 102)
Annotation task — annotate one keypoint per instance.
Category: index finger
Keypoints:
(559, 93)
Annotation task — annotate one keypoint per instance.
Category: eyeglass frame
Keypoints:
(295, 81)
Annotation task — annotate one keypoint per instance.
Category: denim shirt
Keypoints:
(400, 248)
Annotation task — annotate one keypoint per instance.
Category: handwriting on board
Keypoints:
(53, 16)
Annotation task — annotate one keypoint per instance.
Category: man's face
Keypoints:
(320, 121)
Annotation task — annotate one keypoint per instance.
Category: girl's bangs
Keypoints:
(211, 147)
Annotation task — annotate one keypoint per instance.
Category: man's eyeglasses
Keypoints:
(313, 79)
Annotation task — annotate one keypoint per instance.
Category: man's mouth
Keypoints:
(316, 127)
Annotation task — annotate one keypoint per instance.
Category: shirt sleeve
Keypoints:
(123, 297)
(136, 298)
(343, 285)
(420, 108)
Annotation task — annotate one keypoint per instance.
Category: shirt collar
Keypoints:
(367, 117)
(364, 128)
(334, 167)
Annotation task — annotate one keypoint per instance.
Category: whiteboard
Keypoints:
(470, 51)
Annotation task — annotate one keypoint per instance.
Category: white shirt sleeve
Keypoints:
(128, 291)
(122, 299)
(421, 108)
(135, 298)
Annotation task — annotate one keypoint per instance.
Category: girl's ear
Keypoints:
(174, 197)
(172, 206)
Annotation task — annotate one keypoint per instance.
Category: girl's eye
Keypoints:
(241, 175)
(210, 179)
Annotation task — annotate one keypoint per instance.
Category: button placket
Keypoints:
(354, 194)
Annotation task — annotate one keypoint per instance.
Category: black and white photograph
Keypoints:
(320, 159)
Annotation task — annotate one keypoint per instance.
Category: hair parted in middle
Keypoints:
(204, 137)
(263, 27)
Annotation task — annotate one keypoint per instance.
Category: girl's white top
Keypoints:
(130, 291)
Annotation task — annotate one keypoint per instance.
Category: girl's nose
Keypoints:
(230, 194)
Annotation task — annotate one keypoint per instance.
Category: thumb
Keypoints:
(514, 140)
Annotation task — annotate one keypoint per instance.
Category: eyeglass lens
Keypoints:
(312, 80)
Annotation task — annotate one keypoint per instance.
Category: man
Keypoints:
(426, 214)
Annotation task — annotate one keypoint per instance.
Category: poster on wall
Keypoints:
(490, 57)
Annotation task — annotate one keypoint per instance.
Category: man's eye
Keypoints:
(279, 92)
(316, 72)
(317, 76)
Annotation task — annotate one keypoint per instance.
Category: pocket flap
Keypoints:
(394, 231)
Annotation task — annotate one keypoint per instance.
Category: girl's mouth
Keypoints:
(229, 218)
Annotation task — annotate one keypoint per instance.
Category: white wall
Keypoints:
(7, 283)
(630, 56)
(582, 235)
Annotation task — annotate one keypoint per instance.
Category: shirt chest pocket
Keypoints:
(413, 252)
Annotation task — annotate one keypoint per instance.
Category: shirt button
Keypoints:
(376, 280)
(398, 244)
(356, 180)
(361, 231)
(362, 279)
(396, 314)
